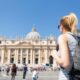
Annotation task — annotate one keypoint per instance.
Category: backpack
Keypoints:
(75, 70)
(76, 57)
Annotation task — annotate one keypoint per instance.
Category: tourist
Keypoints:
(67, 44)
(0, 69)
(25, 69)
(13, 71)
(35, 74)
(7, 70)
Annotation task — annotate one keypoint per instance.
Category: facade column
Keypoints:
(27, 56)
(2, 56)
(16, 55)
(21, 57)
(31, 56)
(39, 57)
(8, 56)
(46, 56)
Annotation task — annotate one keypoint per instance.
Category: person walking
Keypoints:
(35, 74)
(7, 70)
(13, 71)
(25, 69)
(67, 45)
(0, 70)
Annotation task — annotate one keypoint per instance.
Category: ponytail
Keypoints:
(73, 22)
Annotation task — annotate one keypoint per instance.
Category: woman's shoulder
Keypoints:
(62, 37)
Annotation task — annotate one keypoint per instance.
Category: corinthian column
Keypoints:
(21, 57)
(39, 57)
(8, 56)
(2, 56)
(16, 56)
(27, 56)
(46, 56)
(31, 57)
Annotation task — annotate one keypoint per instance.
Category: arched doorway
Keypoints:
(50, 60)
(12, 60)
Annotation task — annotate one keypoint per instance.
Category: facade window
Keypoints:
(12, 60)
(50, 41)
(36, 50)
(24, 60)
(12, 50)
(19, 61)
(36, 55)
(28, 61)
(12, 55)
(24, 50)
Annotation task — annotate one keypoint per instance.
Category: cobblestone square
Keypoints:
(47, 75)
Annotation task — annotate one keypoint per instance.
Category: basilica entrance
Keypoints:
(24, 60)
(12, 60)
(51, 60)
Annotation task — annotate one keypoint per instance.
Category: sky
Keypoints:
(17, 17)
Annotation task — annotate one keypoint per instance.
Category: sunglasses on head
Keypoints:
(58, 26)
(66, 27)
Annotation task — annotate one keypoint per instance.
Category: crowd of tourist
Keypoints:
(12, 70)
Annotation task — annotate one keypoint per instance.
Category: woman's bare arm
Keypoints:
(64, 59)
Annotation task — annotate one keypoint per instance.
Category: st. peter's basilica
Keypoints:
(32, 49)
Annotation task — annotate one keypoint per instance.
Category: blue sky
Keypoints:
(18, 16)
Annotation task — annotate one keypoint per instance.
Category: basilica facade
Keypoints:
(32, 50)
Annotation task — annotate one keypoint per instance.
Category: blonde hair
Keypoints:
(70, 22)
(73, 22)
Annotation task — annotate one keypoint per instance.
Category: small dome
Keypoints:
(52, 38)
(33, 35)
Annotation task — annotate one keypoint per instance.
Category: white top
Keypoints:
(35, 74)
(63, 75)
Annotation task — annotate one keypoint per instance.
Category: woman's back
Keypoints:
(71, 46)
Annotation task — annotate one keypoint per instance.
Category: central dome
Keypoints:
(33, 35)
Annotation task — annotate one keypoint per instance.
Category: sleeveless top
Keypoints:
(63, 74)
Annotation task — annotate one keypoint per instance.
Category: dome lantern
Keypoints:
(33, 29)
